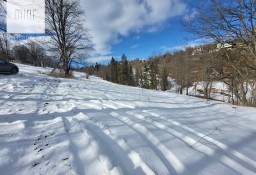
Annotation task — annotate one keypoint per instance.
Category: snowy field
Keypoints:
(93, 127)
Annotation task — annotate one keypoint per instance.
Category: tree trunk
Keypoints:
(244, 100)
(232, 91)
(181, 90)
(206, 92)
(67, 71)
(66, 68)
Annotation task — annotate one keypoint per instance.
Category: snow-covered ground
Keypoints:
(93, 127)
(218, 90)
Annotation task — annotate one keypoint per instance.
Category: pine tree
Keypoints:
(164, 80)
(153, 70)
(113, 70)
(97, 67)
(124, 70)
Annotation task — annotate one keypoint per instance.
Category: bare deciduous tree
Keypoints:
(68, 34)
(37, 54)
(5, 46)
(21, 53)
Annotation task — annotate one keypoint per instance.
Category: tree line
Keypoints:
(139, 73)
(28, 53)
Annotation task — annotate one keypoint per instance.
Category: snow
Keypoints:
(218, 90)
(90, 126)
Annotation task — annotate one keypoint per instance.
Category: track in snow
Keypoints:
(95, 127)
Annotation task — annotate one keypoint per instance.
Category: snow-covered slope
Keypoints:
(93, 127)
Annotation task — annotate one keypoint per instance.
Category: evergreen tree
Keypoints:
(113, 70)
(153, 69)
(164, 80)
(97, 67)
(124, 70)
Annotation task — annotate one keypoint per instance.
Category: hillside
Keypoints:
(90, 126)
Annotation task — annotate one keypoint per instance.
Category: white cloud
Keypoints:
(192, 43)
(191, 15)
(107, 20)
(135, 46)
(99, 59)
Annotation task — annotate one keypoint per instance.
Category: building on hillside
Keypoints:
(225, 46)
(231, 45)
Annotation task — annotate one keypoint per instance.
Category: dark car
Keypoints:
(8, 68)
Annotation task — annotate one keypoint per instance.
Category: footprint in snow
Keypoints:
(34, 165)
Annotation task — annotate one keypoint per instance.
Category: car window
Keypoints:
(2, 62)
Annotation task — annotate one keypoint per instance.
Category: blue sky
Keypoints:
(138, 28)
(146, 45)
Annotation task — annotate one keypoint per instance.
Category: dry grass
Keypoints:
(61, 74)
